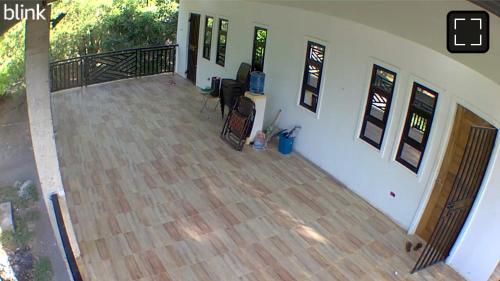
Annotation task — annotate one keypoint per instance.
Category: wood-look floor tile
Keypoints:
(133, 268)
(156, 195)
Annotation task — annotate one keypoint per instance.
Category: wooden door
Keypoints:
(194, 30)
(460, 177)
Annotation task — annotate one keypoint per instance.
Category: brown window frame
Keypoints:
(207, 40)
(382, 124)
(258, 65)
(220, 59)
(305, 86)
(405, 138)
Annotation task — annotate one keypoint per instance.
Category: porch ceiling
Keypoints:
(420, 21)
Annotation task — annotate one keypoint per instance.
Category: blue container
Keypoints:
(285, 144)
(257, 79)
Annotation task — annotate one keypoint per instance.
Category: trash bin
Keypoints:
(215, 86)
(285, 144)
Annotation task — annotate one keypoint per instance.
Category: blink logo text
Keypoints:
(20, 12)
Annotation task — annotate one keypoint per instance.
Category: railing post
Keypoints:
(87, 70)
(137, 63)
(174, 57)
(84, 72)
(51, 79)
(81, 72)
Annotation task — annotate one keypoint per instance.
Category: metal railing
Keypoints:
(68, 251)
(104, 67)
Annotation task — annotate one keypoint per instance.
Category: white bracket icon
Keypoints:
(455, 29)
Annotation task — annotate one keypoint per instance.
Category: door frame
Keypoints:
(456, 101)
(188, 41)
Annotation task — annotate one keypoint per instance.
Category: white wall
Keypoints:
(330, 138)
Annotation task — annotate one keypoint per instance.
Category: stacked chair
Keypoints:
(232, 89)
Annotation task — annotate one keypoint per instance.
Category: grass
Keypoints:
(31, 194)
(23, 217)
(10, 194)
(20, 238)
(42, 269)
(25, 214)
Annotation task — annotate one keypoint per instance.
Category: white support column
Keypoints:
(41, 127)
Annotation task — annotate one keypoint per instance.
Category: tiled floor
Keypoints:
(154, 194)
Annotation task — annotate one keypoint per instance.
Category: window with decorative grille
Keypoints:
(259, 48)
(207, 38)
(222, 42)
(417, 127)
(378, 105)
(313, 71)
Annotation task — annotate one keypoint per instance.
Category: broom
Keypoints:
(268, 132)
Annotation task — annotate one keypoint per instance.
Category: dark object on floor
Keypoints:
(408, 246)
(231, 89)
(239, 123)
(417, 247)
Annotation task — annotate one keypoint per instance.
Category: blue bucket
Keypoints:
(257, 80)
(285, 144)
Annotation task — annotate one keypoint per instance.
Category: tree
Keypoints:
(89, 27)
(12, 60)
(120, 24)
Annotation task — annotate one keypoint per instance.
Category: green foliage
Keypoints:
(42, 269)
(8, 240)
(10, 194)
(91, 27)
(22, 236)
(145, 31)
(76, 33)
(88, 27)
(12, 60)
(25, 214)
(31, 194)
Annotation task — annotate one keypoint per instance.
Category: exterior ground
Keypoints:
(17, 164)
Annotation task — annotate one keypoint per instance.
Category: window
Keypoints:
(259, 48)
(378, 106)
(207, 40)
(417, 127)
(221, 42)
(313, 70)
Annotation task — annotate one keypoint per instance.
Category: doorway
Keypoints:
(194, 31)
(456, 187)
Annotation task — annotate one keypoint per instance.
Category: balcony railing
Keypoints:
(104, 67)
(68, 251)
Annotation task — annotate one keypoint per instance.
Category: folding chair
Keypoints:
(211, 94)
(239, 123)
